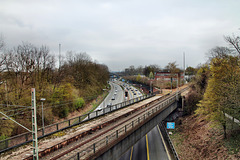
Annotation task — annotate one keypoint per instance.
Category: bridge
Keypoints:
(110, 132)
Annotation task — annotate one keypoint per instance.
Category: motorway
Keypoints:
(149, 147)
(116, 94)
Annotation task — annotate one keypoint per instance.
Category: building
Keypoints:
(166, 76)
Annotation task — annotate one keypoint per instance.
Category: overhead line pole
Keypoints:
(34, 125)
(59, 55)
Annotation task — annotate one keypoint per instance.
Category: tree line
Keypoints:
(145, 74)
(215, 89)
(66, 88)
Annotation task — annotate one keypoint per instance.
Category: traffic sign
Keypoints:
(170, 125)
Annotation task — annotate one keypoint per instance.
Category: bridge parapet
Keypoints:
(127, 127)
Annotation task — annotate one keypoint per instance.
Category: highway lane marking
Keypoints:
(131, 94)
(164, 143)
(131, 153)
(147, 148)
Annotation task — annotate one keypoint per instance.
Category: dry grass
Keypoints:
(196, 139)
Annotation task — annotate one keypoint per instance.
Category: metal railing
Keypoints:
(113, 135)
(169, 142)
(25, 138)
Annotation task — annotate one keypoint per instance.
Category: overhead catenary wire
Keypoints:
(46, 106)
(9, 105)
(13, 110)
(23, 112)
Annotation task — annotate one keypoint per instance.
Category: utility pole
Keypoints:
(177, 87)
(6, 92)
(151, 87)
(42, 99)
(34, 125)
(183, 68)
(104, 99)
(59, 55)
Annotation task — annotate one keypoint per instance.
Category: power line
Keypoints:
(8, 105)
(21, 110)
(7, 111)
(58, 105)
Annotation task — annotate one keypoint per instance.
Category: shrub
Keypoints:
(78, 103)
(64, 112)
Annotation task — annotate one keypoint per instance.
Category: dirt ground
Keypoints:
(194, 139)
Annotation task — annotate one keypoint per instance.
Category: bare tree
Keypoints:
(234, 42)
(2, 43)
(172, 67)
(218, 52)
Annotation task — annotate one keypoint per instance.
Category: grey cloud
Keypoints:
(122, 33)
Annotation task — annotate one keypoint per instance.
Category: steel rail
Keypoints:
(161, 100)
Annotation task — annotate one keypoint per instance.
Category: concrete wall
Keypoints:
(120, 148)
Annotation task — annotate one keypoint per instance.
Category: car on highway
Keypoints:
(113, 98)
(109, 105)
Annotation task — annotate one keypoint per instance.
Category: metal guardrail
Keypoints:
(115, 134)
(169, 142)
(25, 138)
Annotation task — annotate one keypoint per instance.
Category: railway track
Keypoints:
(95, 139)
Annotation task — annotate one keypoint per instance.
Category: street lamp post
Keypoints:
(6, 93)
(104, 99)
(42, 99)
(177, 88)
(151, 87)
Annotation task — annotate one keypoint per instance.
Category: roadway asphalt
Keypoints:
(131, 90)
(149, 147)
(118, 93)
(118, 97)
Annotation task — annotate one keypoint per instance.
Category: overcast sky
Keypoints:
(120, 33)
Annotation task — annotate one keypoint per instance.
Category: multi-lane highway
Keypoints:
(149, 147)
(132, 91)
(117, 94)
